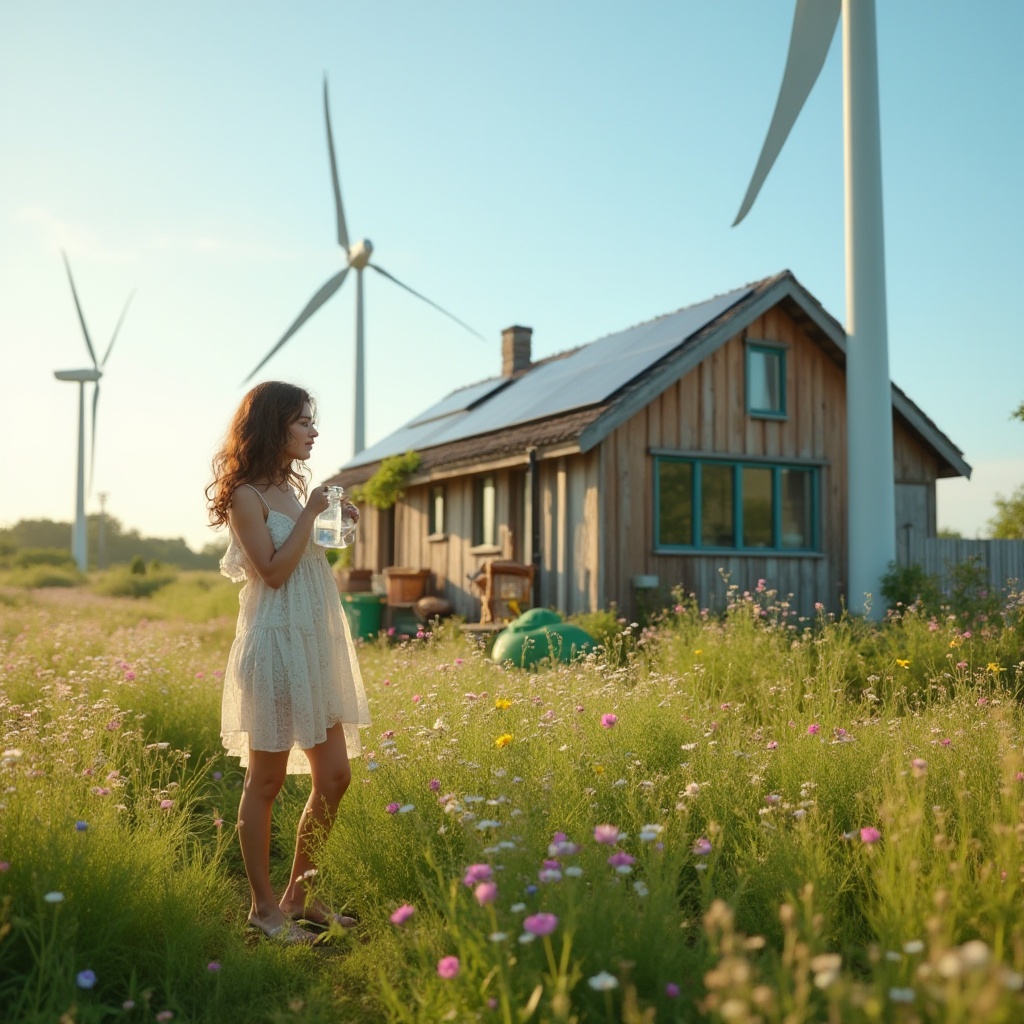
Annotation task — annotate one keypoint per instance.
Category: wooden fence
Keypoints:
(1003, 560)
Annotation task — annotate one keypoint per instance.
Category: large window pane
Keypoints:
(757, 507)
(764, 380)
(797, 503)
(675, 503)
(716, 507)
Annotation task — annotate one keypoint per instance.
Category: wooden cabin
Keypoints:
(711, 440)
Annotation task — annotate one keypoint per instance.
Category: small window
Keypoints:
(484, 525)
(436, 512)
(766, 381)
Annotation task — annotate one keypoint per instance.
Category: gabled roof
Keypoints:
(581, 396)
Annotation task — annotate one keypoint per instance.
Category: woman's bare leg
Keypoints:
(263, 780)
(331, 775)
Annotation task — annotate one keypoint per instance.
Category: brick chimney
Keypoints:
(515, 350)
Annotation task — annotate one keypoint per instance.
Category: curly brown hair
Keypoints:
(252, 446)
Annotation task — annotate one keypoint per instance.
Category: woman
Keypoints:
(293, 695)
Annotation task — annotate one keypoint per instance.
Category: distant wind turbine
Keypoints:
(79, 541)
(358, 256)
(870, 478)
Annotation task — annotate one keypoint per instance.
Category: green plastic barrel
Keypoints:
(363, 613)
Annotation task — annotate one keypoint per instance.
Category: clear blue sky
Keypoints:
(574, 167)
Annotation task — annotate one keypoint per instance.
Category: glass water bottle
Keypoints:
(333, 528)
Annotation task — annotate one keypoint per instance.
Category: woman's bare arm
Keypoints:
(250, 528)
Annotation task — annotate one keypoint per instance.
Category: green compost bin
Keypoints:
(363, 613)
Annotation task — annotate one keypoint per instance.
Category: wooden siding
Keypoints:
(570, 528)
(705, 411)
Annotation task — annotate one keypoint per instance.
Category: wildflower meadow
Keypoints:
(738, 816)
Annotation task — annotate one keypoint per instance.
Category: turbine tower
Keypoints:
(357, 255)
(79, 539)
(871, 502)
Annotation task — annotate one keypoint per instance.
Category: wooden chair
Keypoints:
(506, 589)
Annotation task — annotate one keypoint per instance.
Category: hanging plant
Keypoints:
(386, 486)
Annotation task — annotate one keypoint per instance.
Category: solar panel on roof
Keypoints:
(589, 375)
(595, 372)
(459, 401)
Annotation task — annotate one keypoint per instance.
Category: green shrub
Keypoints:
(42, 556)
(33, 576)
(907, 584)
(603, 626)
(138, 566)
(125, 581)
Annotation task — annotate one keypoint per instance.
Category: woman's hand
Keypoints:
(350, 511)
(317, 500)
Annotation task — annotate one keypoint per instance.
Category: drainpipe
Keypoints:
(535, 531)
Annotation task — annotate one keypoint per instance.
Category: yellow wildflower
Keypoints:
(599, 769)
(955, 642)
(503, 740)
(903, 662)
(994, 667)
(698, 651)
(502, 702)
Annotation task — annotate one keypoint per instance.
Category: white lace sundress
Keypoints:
(292, 671)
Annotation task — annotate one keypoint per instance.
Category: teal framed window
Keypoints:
(721, 505)
(766, 380)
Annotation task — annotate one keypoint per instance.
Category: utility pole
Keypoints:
(101, 558)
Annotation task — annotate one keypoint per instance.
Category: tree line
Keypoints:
(109, 544)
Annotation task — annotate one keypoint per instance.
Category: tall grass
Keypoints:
(802, 821)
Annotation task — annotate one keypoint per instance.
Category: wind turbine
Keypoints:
(358, 256)
(871, 493)
(79, 540)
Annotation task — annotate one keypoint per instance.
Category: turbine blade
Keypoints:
(92, 443)
(78, 306)
(429, 302)
(814, 25)
(342, 229)
(113, 337)
(311, 307)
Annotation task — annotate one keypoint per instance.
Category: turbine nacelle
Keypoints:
(78, 375)
(359, 254)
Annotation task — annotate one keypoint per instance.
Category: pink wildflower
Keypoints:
(608, 721)
(402, 914)
(540, 924)
(870, 835)
(477, 873)
(702, 847)
(606, 834)
(435, 785)
(486, 892)
(448, 967)
(813, 729)
(393, 807)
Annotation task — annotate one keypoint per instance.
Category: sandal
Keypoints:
(330, 920)
(288, 933)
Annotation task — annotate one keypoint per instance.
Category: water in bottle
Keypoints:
(333, 528)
